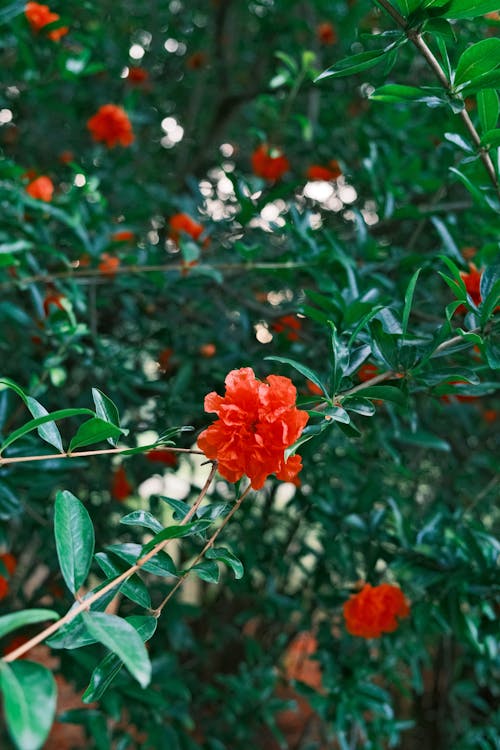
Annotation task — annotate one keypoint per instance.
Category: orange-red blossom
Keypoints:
(374, 609)
(269, 163)
(10, 563)
(258, 421)
(183, 224)
(42, 189)
(39, 16)
(111, 125)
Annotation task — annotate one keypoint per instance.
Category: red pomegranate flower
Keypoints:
(269, 163)
(257, 421)
(289, 325)
(109, 264)
(183, 224)
(329, 173)
(111, 125)
(367, 372)
(136, 76)
(124, 236)
(162, 456)
(39, 15)
(326, 33)
(10, 564)
(120, 486)
(374, 609)
(42, 189)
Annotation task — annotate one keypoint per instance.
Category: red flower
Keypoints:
(183, 224)
(65, 157)
(120, 486)
(313, 388)
(326, 33)
(41, 189)
(289, 325)
(374, 609)
(208, 350)
(39, 16)
(269, 163)
(367, 372)
(109, 264)
(124, 236)
(257, 422)
(317, 172)
(10, 563)
(472, 281)
(298, 664)
(136, 76)
(162, 456)
(111, 125)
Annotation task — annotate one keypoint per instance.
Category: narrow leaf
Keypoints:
(74, 535)
(11, 622)
(409, 300)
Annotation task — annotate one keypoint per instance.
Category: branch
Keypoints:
(86, 603)
(50, 456)
(417, 40)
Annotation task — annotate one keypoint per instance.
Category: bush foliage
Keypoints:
(310, 190)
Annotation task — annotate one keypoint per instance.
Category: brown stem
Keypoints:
(417, 40)
(46, 457)
(157, 612)
(86, 603)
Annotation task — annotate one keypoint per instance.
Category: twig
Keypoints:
(80, 454)
(157, 612)
(417, 40)
(86, 603)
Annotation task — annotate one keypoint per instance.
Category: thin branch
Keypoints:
(86, 603)
(80, 454)
(417, 40)
(157, 612)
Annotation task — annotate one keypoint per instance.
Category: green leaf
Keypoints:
(180, 508)
(133, 587)
(93, 431)
(340, 353)
(353, 64)
(423, 439)
(29, 700)
(74, 535)
(12, 10)
(491, 138)
(359, 405)
(49, 431)
(385, 393)
(142, 518)
(459, 141)
(471, 187)
(208, 571)
(394, 92)
(487, 109)
(106, 410)
(161, 564)
(105, 672)
(226, 556)
(469, 8)
(478, 59)
(489, 80)
(33, 424)
(123, 640)
(9, 503)
(11, 622)
(176, 532)
(409, 300)
(74, 634)
(305, 371)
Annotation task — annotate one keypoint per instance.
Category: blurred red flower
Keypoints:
(10, 564)
(111, 125)
(298, 664)
(374, 609)
(329, 173)
(208, 350)
(326, 33)
(53, 298)
(124, 236)
(39, 15)
(289, 325)
(109, 264)
(367, 372)
(197, 60)
(120, 486)
(257, 421)
(162, 456)
(183, 224)
(269, 163)
(42, 189)
(137, 75)
(313, 388)
(472, 281)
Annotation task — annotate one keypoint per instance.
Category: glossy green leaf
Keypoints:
(133, 588)
(177, 532)
(469, 8)
(11, 622)
(49, 431)
(93, 431)
(394, 92)
(305, 371)
(142, 518)
(410, 291)
(161, 564)
(29, 700)
(74, 536)
(33, 424)
(106, 671)
(123, 640)
(207, 570)
(478, 59)
(491, 138)
(221, 554)
(74, 634)
(487, 109)
(106, 410)
(353, 64)
(385, 393)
